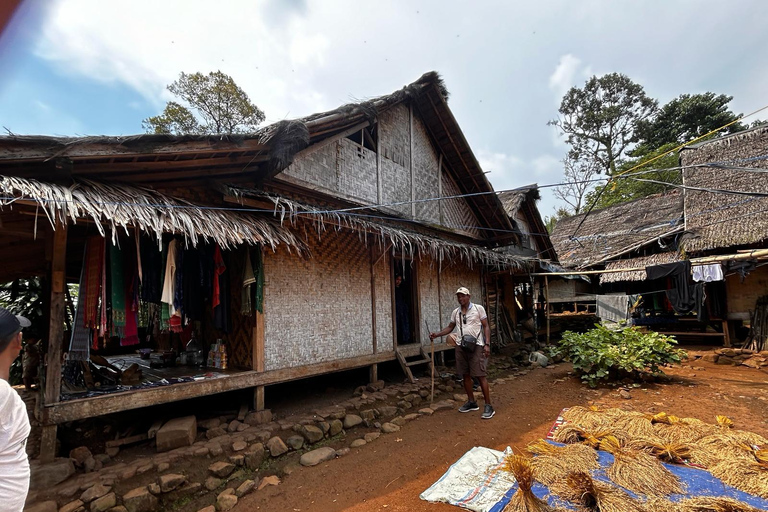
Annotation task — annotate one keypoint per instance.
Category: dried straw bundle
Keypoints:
(748, 476)
(639, 471)
(594, 496)
(523, 500)
(555, 462)
(681, 431)
(590, 418)
(571, 434)
(720, 447)
(726, 424)
(700, 504)
(666, 452)
(635, 426)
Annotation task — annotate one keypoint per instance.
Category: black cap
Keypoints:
(11, 324)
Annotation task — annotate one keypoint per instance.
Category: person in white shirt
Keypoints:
(471, 361)
(14, 422)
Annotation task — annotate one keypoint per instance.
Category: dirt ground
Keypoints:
(390, 473)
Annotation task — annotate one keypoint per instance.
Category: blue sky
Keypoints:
(87, 67)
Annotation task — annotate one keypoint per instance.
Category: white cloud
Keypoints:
(147, 46)
(563, 78)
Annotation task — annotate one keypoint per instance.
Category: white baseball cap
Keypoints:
(463, 291)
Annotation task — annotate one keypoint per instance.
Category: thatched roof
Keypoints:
(641, 261)
(117, 206)
(251, 159)
(388, 234)
(716, 220)
(520, 205)
(611, 232)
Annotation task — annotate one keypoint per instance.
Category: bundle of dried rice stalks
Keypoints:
(594, 496)
(571, 434)
(590, 418)
(747, 476)
(700, 504)
(635, 426)
(555, 462)
(523, 500)
(680, 430)
(639, 471)
(666, 452)
(723, 446)
(726, 425)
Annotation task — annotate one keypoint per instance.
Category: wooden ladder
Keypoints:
(406, 365)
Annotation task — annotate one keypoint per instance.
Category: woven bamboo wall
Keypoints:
(456, 212)
(451, 278)
(396, 186)
(426, 173)
(741, 297)
(394, 135)
(384, 337)
(317, 308)
(357, 172)
(430, 298)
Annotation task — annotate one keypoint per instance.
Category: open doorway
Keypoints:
(406, 317)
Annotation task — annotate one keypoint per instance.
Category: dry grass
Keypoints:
(571, 434)
(700, 504)
(666, 452)
(523, 500)
(555, 462)
(639, 471)
(747, 476)
(594, 496)
(716, 448)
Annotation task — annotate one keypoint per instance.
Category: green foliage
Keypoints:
(551, 221)
(656, 178)
(599, 120)
(215, 98)
(687, 117)
(605, 354)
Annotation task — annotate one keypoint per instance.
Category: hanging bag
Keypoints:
(467, 341)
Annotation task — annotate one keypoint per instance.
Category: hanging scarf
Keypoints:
(94, 260)
(218, 270)
(246, 304)
(103, 295)
(118, 289)
(78, 343)
(131, 302)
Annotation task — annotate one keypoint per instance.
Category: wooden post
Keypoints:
(546, 301)
(58, 282)
(258, 346)
(394, 306)
(374, 372)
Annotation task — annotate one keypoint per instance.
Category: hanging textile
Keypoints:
(94, 255)
(118, 289)
(612, 308)
(78, 343)
(246, 302)
(169, 279)
(192, 297)
(152, 271)
(708, 273)
(165, 314)
(218, 270)
(681, 293)
(103, 294)
(131, 335)
(178, 283)
(221, 318)
(258, 255)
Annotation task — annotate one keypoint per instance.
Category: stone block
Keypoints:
(352, 420)
(79, 455)
(259, 417)
(312, 433)
(73, 506)
(276, 447)
(295, 442)
(221, 469)
(176, 433)
(335, 427)
(140, 500)
(389, 428)
(105, 503)
(357, 443)
(171, 481)
(43, 506)
(318, 456)
(96, 491)
(225, 502)
(45, 476)
(245, 488)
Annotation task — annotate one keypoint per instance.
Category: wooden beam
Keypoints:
(393, 304)
(72, 410)
(374, 368)
(258, 346)
(546, 299)
(167, 165)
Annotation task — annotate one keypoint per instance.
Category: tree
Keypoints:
(578, 176)
(599, 120)
(217, 103)
(551, 221)
(687, 117)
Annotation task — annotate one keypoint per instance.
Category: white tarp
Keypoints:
(474, 482)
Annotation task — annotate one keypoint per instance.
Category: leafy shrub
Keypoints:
(605, 354)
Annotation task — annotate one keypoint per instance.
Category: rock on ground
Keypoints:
(44, 506)
(357, 443)
(225, 502)
(176, 433)
(352, 420)
(105, 503)
(268, 480)
(245, 488)
(45, 476)
(318, 456)
(221, 469)
(140, 500)
(389, 428)
(312, 433)
(171, 481)
(276, 447)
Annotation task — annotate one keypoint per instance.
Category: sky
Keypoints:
(90, 67)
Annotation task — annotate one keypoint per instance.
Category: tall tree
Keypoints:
(578, 176)
(599, 120)
(687, 117)
(216, 104)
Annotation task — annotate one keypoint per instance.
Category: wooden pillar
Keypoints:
(394, 306)
(55, 336)
(374, 371)
(258, 345)
(546, 302)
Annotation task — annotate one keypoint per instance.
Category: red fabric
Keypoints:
(94, 262)
(131, 336)
(218, 269)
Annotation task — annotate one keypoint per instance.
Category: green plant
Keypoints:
(605, 354)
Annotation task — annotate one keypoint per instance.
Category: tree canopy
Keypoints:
(215, 104)
(599, 120)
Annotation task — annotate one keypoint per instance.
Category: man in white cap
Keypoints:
(14, 422)
(473, 348)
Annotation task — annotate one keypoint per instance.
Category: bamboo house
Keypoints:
(272, 256)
